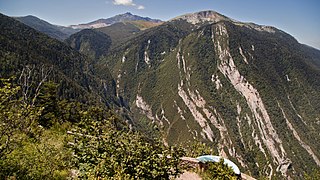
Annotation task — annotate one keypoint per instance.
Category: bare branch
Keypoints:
(44, 76)
(27, 80)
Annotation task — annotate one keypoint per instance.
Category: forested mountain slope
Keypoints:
(28, 53)
(251, 91)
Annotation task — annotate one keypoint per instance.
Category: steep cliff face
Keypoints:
(251, 91)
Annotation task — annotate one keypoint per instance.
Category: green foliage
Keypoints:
(148, 128)
(102, 151)
(314, 175)
(197, 148)
(46, 158)
(48, 100)
(218, 171)
(28, 151)
(17, 118)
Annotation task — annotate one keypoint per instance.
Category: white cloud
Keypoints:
(124, 2)
(140, 7)
(127, 3)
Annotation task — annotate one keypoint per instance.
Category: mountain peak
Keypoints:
(28, 16)
(202, 16)
(128, 13)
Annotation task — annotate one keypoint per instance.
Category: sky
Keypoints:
(300, 18)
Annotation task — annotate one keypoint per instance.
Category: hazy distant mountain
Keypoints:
(54, 31)
(115, 19)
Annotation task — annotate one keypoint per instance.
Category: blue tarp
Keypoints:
(210, 158)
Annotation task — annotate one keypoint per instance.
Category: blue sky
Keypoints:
(300, 18)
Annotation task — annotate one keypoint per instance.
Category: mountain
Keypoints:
(251, 91)
(27, 52)
(90, 42)
(97, 42)
(54, 31)
(115, 19)
(123, 31)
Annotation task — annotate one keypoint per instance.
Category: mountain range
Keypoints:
(63, 32)
(250, 91)
(115, 19)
